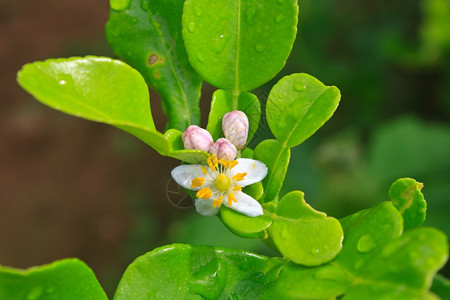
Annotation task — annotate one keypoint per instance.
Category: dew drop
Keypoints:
(359, 264)
(259, 48)
(220, 43)
(365, 243)
(198, 11)
(279, 18)
(191, 27)
(314, 251)
(119, 5)
(35, 293)
(250, 15)
(327, 272)
(200, 57)
(280, 1)
(62, 82)
(299, 87)
(285, 234)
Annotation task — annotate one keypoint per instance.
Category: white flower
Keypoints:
(221, 182)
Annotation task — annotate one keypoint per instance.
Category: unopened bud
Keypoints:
(197, 138)
(223, 149)
(235, 128)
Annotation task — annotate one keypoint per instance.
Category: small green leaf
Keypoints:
(298, 105)
(239, 45)
(223, 102)
(147, 35)
(245, 226)
(65, 279)
(276, 157)
(407, 198)
(304, 235)
(255, 190)
(193, 272)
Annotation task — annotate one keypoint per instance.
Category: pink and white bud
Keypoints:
(235, 128)
(197, 138)
(223, 149)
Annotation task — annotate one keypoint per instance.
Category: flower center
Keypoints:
(222, 182)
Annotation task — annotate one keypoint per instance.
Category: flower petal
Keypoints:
(184, 174)
(205, 207)
(244, 204)
(256, 171)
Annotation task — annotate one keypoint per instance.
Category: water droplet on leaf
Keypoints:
(314, 251)
(191, 27)
(366, 243)
(62, 82)
(200, 57)
(259, 48)
(280, 1)
(35, 293)
(299, 87)
(220, 43)
(279, 18)
(249, 15)
(198, 11)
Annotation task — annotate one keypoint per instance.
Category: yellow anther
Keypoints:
(223, 162)
(197, 182)
(218, 202)
(232, 164)
(214, 160)
(239, 176)
(231, 199)
(210, 164)
(204, 170)
(237, 188)
(204, 193)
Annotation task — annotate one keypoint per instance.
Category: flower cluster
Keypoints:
(235, 130)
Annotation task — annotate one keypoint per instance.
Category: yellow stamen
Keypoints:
(223, 162)
(204, 170)
(210, 164)
(218, 202)
(237, 188)
(239, 176)
(204, 193)
(231, 199)
(232, 164)
(197, 182)
(214, 160)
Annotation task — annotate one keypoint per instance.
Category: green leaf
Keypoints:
(304, 235)
(405, 268)
(193, 272)
(376, 262)
(276, 157)
(147, 35)
(245, 226)
(298, 105)
(65, 279)
(239, 45)
(223, 102)
(103, 90)
(407, 198)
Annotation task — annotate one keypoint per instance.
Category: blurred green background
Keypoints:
(72, 188)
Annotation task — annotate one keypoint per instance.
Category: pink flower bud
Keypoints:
(223, 149)
(235, 128)
(197, 138)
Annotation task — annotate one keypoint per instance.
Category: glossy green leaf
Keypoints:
(193, 272)
(238, 45)
(407, 198)
(376, 262)
(103, 90)
(147, 35)
(276, 157)
(224, 102)
(255, 190)
(298, 105)
(304, 235)
(68, 279)
(245, 226)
